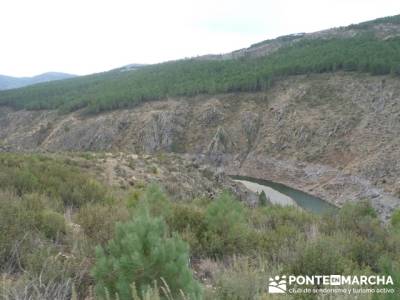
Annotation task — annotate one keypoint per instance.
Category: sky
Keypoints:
(89, 36)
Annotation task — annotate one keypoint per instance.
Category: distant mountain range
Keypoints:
(8, 82)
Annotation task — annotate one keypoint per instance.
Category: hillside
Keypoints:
(320, 104)
(253, 115)
(383, 28)
(120, 185)
(8, 82)
(333, 135)
(372, 48)
(63, 216)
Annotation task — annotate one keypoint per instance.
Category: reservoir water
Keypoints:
(281, 194)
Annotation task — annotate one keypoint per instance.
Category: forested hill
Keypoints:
(371, 47)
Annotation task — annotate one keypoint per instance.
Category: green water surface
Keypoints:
(304, 200)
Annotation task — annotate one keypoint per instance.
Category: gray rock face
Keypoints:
(159, 126)
(221, 143)
(159, 132)
(90, 134)
(220, 147)
(251, 125)
(211, 113)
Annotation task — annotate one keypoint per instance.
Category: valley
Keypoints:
(322, 134)
(207, 177)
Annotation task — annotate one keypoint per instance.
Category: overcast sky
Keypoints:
(87, 36)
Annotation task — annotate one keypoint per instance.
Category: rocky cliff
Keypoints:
(332, 135)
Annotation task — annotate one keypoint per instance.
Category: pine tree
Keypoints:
(142, 252)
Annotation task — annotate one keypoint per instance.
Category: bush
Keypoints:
(24, 182)
(365, 238)
(156, 201)
(134, 197)
(393, 269)
(352, 215)
(189, 221)
(244, 278)
(276, 245)
(227, 228)
(274, 216)
(98, 221)
(18, 219)
(41, 261)
(51, 223)
(319, 256)
(28, 287)
(364, 252)
(82, 192)
(48, 176)
(142, 252)
(395, 220)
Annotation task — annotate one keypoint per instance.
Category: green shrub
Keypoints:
(18, 221)
(244, 278)
(189, 222)
(142, 252)
(24, 181)
(25, 223)
(393, 269)
(275, 229)
(49, 176)
(395, 220)
(30, 286)
(51, 223)
(80, 193)
(227, 230)
(42, 261)
(276, 245)
(273, 216)
(156, 201)
(134, 197)
(351, 215)
(319, 256)
(365, 238)
(364, 252)
(98, 220)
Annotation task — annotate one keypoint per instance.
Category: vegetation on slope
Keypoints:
(368, 24)
(362, 28)
(112, 90)
(233, 248)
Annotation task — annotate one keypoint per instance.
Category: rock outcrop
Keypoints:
(159, 132)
